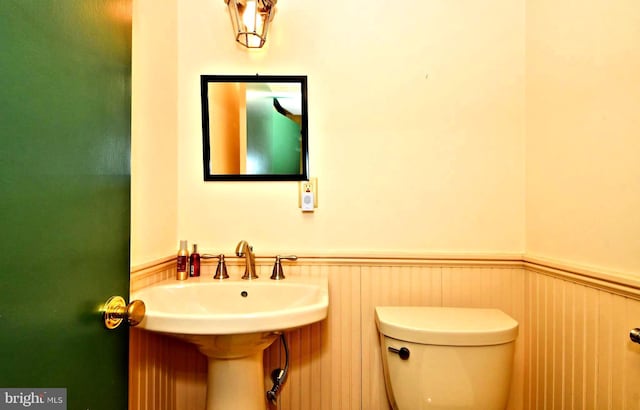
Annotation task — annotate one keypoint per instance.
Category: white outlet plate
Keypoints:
(312, 185)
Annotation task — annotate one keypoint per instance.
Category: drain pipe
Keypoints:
(279, 375)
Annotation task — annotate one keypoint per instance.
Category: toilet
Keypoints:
(446, 358)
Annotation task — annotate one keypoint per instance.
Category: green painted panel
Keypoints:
(286, 145)
(64, 196)
(259, 124)
(273, 140)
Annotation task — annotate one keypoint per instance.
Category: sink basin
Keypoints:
(204, 306)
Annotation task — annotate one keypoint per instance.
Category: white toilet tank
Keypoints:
(458, 358)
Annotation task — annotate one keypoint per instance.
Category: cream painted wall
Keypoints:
(416, 128)
(154, 164)
(583, 133)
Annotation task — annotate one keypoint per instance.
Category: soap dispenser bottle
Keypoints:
(183, 262)
(194, 262)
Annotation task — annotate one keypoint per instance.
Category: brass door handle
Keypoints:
(116, 310)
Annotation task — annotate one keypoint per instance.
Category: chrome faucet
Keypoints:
(244, 250)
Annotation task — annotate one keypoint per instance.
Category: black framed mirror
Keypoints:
(254, 128)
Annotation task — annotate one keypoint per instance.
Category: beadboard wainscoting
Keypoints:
(579, 355)
(573, 349)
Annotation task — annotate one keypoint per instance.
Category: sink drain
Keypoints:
(244, 293)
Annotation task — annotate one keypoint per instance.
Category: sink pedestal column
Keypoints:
(236, 383)
(235, 377)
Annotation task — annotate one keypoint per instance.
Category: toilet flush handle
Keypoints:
(403, 352)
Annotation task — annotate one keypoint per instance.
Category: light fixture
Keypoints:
(250, 20)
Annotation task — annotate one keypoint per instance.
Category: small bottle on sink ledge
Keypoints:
(183, 262)
(194, 262)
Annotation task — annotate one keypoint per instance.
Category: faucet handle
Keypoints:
(221, 269)
(278, 273)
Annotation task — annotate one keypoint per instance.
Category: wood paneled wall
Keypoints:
(579, 353)
(572, 350)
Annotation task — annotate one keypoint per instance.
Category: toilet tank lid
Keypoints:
(449, 326)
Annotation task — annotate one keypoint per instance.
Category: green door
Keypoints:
(65, 100)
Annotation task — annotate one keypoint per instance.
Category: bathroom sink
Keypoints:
(204, 306)
(231, 322)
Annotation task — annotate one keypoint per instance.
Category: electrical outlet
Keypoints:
(308, 186)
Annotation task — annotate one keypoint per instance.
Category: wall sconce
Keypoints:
(250, 20)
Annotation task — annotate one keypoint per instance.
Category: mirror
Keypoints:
(254, 128)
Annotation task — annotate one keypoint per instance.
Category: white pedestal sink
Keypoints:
(232, 322)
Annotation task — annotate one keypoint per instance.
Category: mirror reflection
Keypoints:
(254, 127)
